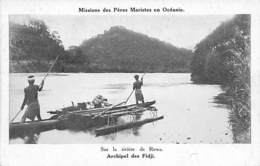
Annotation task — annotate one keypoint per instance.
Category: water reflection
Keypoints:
(167, 84)
(137, 128)
(116, 86)
(77, 123)
(31, 138)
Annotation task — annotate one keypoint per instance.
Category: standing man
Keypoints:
(137, 87)
(31, 100)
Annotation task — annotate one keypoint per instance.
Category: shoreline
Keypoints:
(241, 127)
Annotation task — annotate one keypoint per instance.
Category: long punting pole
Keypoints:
(129, 96)
(16, 115)
(51, 67)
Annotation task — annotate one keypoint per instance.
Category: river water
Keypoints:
(190, 114)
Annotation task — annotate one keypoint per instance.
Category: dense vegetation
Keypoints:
(224, 57)
(33, 48)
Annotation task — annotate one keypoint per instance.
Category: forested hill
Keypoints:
(122, 50)
(33, 47)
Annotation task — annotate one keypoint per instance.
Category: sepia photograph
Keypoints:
(98, 79)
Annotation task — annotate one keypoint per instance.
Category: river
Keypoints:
(190, 114)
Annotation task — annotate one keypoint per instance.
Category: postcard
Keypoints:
(112, 83)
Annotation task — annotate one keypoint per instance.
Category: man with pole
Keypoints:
(31, 97)
(138, 95)
(137, 88)
(31, 100)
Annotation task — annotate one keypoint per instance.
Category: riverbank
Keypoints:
(223, 58)
(239, 115)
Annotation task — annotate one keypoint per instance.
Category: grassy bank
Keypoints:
(238, 102)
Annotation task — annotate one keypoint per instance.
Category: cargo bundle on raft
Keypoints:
(102, 121)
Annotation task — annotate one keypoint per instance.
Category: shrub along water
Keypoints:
(223, 57)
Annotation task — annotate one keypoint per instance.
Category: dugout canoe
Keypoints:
(62, 120)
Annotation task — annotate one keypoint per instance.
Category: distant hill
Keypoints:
(122, 50)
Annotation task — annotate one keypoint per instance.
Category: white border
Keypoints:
(89, 154)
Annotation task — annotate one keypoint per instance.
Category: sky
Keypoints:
(179, 30)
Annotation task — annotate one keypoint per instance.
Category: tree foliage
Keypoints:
(213, 55)
(32, 46)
